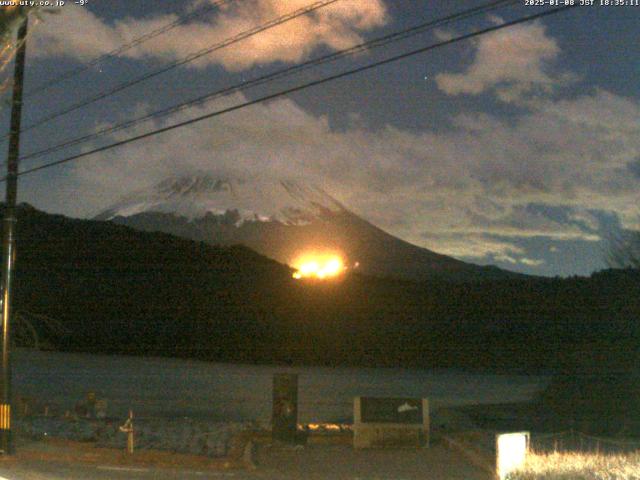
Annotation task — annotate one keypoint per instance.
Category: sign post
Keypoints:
(284, 424)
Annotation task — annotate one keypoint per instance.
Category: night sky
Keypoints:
(520, 148)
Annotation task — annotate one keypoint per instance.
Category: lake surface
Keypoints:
(160, 387)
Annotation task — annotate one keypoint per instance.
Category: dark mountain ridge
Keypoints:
(121, 290)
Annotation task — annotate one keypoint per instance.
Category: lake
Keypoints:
(161, 387)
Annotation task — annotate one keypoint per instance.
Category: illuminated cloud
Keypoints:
(474, 246)
(77, 33)
(532, 262)
(511, 61)
(453, 191)
(473, 182)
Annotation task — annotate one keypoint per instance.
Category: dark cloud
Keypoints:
(634, 167)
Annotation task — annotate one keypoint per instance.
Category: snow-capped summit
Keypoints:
(290, 202)
(281, 219)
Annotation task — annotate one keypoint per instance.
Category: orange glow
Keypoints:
(325, 426)
(319, 266)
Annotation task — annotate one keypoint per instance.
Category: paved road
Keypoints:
(277, 463)
(66, 471)
(345, 463)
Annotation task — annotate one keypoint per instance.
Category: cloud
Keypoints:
(532, 262)
(444, 35)
(481, 247)
(634, 167)
(79, 34)
(586, 219)
(475, 246)
(512, 61)
(468, 191)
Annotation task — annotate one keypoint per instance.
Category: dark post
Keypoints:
(8, 243)
(284, 425)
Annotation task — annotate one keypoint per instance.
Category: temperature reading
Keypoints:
(81, 2)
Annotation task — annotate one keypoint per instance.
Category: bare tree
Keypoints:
(10, 18)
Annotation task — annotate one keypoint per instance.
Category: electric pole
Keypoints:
(8, 241)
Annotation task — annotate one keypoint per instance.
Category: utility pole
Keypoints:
(8, 241)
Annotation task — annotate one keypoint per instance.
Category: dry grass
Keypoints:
(565, 466)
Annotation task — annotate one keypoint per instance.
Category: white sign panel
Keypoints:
(511, 452)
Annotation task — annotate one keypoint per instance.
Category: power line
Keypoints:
(280, 74)
(44, 86)
(298, 88)
(190, 58)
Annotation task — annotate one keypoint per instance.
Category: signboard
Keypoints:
(390, 422)
(511, 452)
(391, 410)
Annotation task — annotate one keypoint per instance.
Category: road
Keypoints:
(273, 463)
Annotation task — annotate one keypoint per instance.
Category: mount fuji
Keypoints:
(282, 219)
